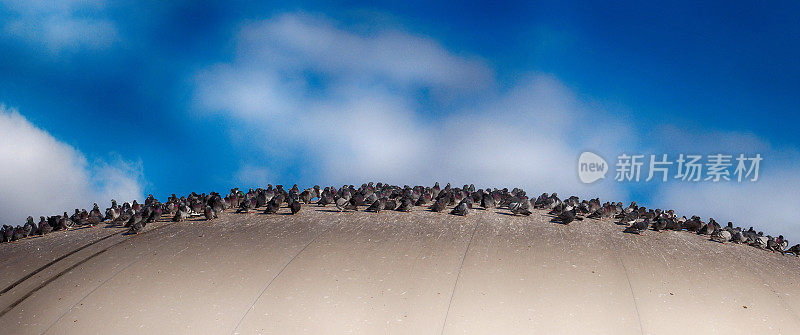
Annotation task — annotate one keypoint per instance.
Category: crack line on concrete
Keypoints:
(458, 276)
(275, 277)
(633, 296)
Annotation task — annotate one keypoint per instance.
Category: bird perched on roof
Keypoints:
(660, 223)
(463, 208)
(630, 218)
(44, 227)
(406, 205)
(343, 200)
(377, 206)
(63, 222)
(181, 214)
(209, 213)
(8, 233)
(294, 207)
(519, 208)
(18, 233)
(438, 205)
(487, 200)
(568, 216)
(137, 227)
(638, 227)
(246, 205)
(272, 206)
(773, 245)
(29, 227)
(760, 241)
(794, 250)
(721, 235)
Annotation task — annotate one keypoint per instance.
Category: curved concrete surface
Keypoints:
(400, 273)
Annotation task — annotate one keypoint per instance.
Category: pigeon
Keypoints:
(517, 208)
(155, 214)
(353, 204)
(462, 209)
(439, 205)
(63, 222)
(423, 200)
(325, 198)
(794, 250)
(19, 233)
(390, 205)
(638, 227)
(773, 245)
(739, 238)
(181, 214)
(673, 225)
(272, 207)
(568, 216)
(406, 205)
(44, 227)
(136, 228)
(246, 205)
(487, 201)
(721, 235)
(377, 206)
(306, 196)
(8, 233)
(630, 218)
(341, 203)
(29, 228)
(782, 242)
(295, 206)
(760, 242)
(660, 224)
(209, 213)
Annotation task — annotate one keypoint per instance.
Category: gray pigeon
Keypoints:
(721, 235)
(760, 242)
(794, 250)
(638, 227)
(439, 205)
(209, 213)
(406, 205)
(462, 209)
(294, 207)
(517, 208)
(136, 227)
(44, 227)
(377, 206)
(567, 216)
(272, 207)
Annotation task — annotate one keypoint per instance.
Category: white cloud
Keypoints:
(362, 120)
(41, 176)
(60, 25)
(255, 176)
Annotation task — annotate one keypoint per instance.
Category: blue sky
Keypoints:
(195, 96)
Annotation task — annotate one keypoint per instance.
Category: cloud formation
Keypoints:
(350, 101)
(41, 176)
(60, 26)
